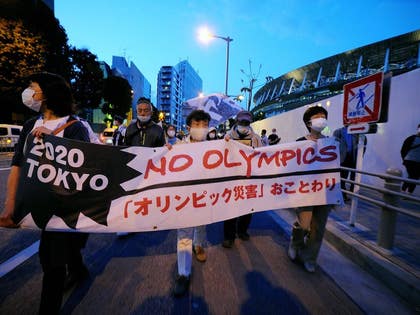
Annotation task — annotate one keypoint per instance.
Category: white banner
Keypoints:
(197, 184)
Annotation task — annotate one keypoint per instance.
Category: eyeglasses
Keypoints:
(245, 123)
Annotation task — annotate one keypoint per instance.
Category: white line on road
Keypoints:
(19, 258)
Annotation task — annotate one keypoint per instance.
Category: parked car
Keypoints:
(9, 135)
(106, 136)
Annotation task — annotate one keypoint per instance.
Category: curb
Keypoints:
(405, 284)
(402, 282)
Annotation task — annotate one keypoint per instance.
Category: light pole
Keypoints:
(205, 35)
(252, 79)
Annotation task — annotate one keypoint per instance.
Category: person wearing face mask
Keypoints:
(171, 135)
(191, 239)
(348, 155)
(59, 252)
(308, 230)
(119, 133)
(144, 131)
(242, 132)
(212, 134)
(410, 154)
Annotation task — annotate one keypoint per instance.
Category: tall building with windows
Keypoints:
(140, 85)
(175, 85)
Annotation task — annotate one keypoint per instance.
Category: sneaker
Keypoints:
(292, 252)
(309, 266)
(200, 254)
(227, 243)
(181, 285)
(244, 236)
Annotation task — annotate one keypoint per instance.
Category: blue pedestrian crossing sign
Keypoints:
(362, 100)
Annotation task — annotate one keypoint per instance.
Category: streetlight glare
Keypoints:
(204, 34)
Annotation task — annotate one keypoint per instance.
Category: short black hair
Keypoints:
(119, 118)
(56, 91)
(198, 115)
(311, 111)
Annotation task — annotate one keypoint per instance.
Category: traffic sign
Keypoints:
(362, 100)
(362, 128)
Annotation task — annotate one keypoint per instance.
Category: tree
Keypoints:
(31, 40)
(86, 78)
(117, 94)
(22, 53)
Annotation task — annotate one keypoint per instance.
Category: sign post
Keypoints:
(362, 105)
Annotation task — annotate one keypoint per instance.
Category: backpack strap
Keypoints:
(62, 127)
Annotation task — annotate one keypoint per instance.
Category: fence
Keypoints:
(391, 194)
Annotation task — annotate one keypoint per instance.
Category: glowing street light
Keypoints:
(205, 36)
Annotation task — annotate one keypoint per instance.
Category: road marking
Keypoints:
(19, 258)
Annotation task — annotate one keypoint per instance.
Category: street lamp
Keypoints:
(205, 35)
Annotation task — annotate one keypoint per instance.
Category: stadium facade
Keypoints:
(325, 78)
(282, 102)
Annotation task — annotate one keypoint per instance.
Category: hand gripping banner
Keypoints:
(69, 185)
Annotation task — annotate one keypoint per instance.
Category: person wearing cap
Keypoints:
(243, 132)
(119, 133)
(212, 134)
(309, 228)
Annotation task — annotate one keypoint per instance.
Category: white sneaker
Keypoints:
(309, 266)
(292, 252)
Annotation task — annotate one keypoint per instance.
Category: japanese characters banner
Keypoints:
(72, 185)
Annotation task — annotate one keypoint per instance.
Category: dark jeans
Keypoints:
(58, 251)
(350, 163)
(236, 225)
(413, 171)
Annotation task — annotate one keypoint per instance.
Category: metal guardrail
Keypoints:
(391, 194)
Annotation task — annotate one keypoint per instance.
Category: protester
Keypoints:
(212, 134)
(242, 132)
(170, 135)
(410, 154)
(119, 133)
(59, 252)
(308, 230)
(273, 138)
(348, 155)
(191, 239)
(143, 132)
(264, 138)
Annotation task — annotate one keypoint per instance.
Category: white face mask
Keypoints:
(318, 124)
(199, 134)
(28, 100)
(243, 130)
(144, 119)
(171, 133)
(418, 130)
(212, 135)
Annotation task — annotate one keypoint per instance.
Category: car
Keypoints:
(9, 135)
(107, 135)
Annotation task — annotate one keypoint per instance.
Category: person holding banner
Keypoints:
(242, 132)
(170, 135)
(119, 133)
(308, 230)
(191, 239)
(143, 131)
(59, 252)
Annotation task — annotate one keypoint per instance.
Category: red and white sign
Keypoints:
(358, 128)
(362, 100)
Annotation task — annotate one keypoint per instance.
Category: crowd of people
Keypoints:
(60, 252)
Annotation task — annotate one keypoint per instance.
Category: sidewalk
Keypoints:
(398, 269)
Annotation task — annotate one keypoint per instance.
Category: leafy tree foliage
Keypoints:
(22, 52)
(31, 40)
(86, 78)
(117, 95)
